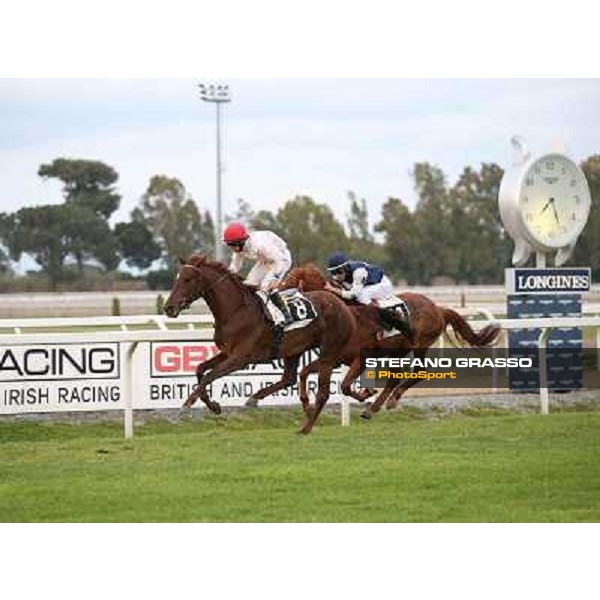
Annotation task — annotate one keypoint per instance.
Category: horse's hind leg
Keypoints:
(400, 390)
(289, 377)
(373, 408)
(393, 391)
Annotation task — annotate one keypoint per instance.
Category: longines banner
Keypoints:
(87, 377)
(549, 281)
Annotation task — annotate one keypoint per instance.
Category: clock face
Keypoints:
(554, 201)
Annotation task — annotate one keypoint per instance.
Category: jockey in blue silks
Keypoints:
(360, 281)
(365, 283)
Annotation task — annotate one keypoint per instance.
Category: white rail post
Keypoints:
(597, 348)
(345, 412)
(542, 343)
(344, 402)
(127, 350)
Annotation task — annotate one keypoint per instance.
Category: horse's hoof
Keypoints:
(252, 402)
(366, 416)
(185, 411)
(391, 405)
(363, 395)
(305, 430)
(190, 402)
(215, 407)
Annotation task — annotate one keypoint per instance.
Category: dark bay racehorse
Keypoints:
(427, 321)
(243, 333)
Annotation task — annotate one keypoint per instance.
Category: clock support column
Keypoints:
(537, 293)
(540, 260)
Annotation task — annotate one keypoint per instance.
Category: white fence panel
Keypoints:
(153, 368)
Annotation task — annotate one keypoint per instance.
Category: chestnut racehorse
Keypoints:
(243, 333)
(427, 321)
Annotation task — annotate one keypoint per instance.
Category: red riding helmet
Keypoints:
(235, 232)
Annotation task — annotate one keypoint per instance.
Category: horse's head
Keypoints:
(190, 283)
(307, 278)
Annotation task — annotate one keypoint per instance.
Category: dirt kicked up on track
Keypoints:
(474, 464)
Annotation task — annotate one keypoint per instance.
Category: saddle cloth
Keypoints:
(398, 305)
(394, 302)
(301, 308)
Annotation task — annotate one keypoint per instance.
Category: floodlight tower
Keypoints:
(217, 94)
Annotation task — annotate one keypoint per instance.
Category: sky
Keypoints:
(283, 137)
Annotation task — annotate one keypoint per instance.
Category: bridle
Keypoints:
(188, 300)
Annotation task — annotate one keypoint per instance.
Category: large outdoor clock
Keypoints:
(544, 204)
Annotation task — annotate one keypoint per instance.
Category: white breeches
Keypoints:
(377, 291)
(263, 276)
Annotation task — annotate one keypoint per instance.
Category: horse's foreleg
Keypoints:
(209, 364)
(353, 374)
(228, 365)
(303, 387)
(325, 370)
(289, 377)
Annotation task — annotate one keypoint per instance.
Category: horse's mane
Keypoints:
(307, 270)
(200, 260)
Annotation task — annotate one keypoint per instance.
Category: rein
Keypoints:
(210, 287)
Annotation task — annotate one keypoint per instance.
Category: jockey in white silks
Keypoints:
(273, 261)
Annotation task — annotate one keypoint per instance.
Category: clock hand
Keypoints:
(547, 205)
(555, 213)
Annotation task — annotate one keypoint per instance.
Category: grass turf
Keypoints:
(482, 466)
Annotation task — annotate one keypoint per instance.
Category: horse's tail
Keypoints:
(486, 337)
(390, 319)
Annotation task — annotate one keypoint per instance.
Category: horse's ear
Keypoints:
(181, 261)
(301, 285)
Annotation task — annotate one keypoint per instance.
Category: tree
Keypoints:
(206, 239)
(310, 229)
(86, 183)
(136, 244)
(172, 216)
(434, 220)
(39, 231)
(91, 199)
(361, 241)
(358, 219)
(6, 227)
(265, 219)
(587, 251)
(401, 242)
(478, 226)
(243, 213)
(89, 237)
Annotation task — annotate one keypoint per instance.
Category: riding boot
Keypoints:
(278, 328)
(278, 301)
(398, 321)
